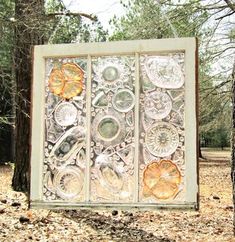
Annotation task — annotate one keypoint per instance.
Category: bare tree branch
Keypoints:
(89, 16)
(230, 4)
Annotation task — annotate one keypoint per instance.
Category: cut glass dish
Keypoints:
(110, 177)
(162, 139)
(164, 72)
(65, 114)
(68, 182)
(157, 105)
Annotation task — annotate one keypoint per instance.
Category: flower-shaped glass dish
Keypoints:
(66, 81)
(162, 179)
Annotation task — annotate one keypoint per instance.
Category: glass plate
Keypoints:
(123, 100)
(68, 182)
(66, 81)
(65, 114)
(162, 179)
(162, 139)
(164, 72)
(157, 105)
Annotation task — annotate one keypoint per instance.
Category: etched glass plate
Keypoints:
(157, 105)
(123, 100)
(162, 139)
(65, 114)
(161, 179)
(164, 72)
(68, 182)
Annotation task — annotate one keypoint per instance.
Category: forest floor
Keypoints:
(213, 222)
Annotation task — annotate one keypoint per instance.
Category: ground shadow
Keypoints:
(119, 229)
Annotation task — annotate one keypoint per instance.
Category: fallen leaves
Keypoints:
(212, 223)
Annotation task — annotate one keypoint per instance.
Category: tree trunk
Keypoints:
(200, 151)
(27, 14)
(233, 144)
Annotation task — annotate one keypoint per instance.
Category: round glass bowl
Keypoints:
(108, 128)
(110, 73)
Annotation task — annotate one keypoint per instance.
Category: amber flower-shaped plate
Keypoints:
(66, 81)
(161, 179)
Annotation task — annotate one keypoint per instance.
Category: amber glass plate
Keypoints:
(66, 81)
(161, 179)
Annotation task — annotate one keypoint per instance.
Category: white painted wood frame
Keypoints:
(88, 50)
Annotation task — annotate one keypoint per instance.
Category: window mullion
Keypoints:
(136, 137)
(88, 131)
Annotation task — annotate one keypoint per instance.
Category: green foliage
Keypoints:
(145, 19)
(6, 32)
(66, 27)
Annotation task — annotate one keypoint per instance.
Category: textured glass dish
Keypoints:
(65, 114)
(162, 139)
(164, 71)
(158, 105)
(65, 129)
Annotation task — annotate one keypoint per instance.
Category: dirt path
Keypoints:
(212, 223)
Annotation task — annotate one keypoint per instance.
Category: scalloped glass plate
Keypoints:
(162, 139)
(162, 179)
(66, 81)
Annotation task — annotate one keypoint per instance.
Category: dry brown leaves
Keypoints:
(212, 223)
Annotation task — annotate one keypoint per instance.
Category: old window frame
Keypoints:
(88, 50)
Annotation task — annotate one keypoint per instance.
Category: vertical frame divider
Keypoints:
(88, 131)
(136, 134)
